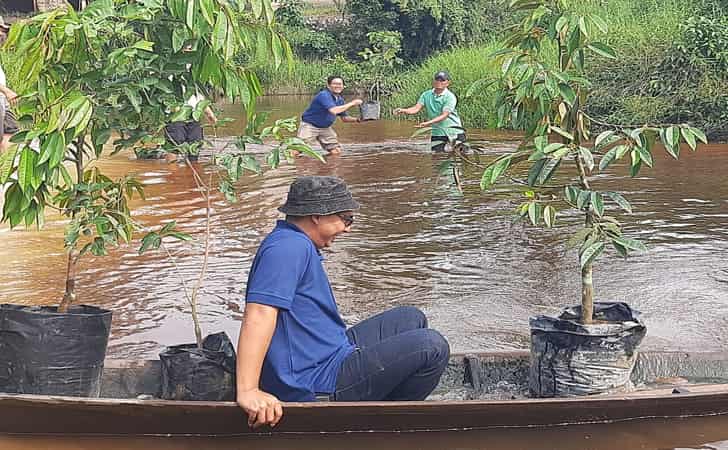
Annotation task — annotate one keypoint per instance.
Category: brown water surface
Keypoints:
(416, 241)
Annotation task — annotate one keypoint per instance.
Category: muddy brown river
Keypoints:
(416, 241)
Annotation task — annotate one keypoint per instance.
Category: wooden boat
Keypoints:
(29, 414)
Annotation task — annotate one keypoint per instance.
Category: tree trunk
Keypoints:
(587, 295)
(70, 295)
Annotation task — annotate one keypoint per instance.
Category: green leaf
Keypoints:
(587, 157)
(571, 193)
(578, 238)
(179, 36)
(597, 203)
(553, 147)
(208, 11)
(492, 172)
(582, 199)
(603, 138)
(621, 201)
(689, 138)
(534, 212)
(567, 93)
(607, 159)
(630, 244)
(620, 248)
(220, 32)
(190, 16)
(699, 134)
(7, 160)
(257, 7)
(549, 216)
(602, 50)
(645, 156)
(590, 254)
(26, 168)
(562, 132)
(670, 137)
(548, 171)
(599, 22)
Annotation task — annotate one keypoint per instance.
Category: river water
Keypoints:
(416, 241)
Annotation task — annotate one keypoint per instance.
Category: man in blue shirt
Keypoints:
(321, 114)
(293, 344)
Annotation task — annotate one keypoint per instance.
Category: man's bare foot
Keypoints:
(335, 151)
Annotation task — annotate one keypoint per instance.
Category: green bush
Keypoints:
(427, 26)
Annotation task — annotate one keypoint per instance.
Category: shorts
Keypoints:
(9, 124)
(326, 137)
(184, 132)
(443, 140)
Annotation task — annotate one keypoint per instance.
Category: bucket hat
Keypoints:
(318, 196)
(442, 76)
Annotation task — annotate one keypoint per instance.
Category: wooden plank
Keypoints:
(24, 414)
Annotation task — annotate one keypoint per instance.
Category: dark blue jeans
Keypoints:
(397, 358)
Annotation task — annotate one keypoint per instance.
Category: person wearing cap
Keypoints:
(8, 125)
(440, 107)
(318, 118)
(293, 344)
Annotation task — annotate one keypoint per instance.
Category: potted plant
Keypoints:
(543, 89)
(116, 69)
(205, 370)
(379, 62)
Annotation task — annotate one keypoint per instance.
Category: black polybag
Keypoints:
(569, 358)
(207, 374)
(45, 352)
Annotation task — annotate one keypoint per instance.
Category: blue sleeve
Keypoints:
(278, 271)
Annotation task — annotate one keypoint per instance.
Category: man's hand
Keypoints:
(398, 111)
(422, 125)
(356, 102)
(262, 408)
(9, 94)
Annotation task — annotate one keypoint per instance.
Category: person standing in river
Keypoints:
(318, 118)
(440, 107)
(293, 344)
(8, 125)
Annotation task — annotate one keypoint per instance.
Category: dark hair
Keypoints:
(333, 77)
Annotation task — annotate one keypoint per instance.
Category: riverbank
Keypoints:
(666, 71)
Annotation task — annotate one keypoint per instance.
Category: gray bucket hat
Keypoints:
(318, 196)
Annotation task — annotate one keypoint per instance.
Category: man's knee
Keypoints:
(411, 314)
(438, 347)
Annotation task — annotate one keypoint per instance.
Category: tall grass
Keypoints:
(465, 65)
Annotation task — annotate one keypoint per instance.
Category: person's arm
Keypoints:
(256, 333)
(210, 114)
(409, 111)
(8, 93)
(350, 119)
(336, 110)
(435, 120)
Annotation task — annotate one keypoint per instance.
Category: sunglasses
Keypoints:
(348, 219)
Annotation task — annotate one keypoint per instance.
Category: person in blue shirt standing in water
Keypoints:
(317, 120)
(293, 344)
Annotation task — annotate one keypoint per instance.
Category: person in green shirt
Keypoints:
(442, 116)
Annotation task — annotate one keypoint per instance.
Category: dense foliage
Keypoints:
(426, 26)
(119, 70)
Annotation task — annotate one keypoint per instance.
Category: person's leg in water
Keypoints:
(329, 141)
(397, 358)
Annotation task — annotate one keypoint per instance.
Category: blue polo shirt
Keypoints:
(309, 343)
(317, 113)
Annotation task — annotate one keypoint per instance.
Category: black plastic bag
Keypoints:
(207, 374)
(569, 358)
(46, 352)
